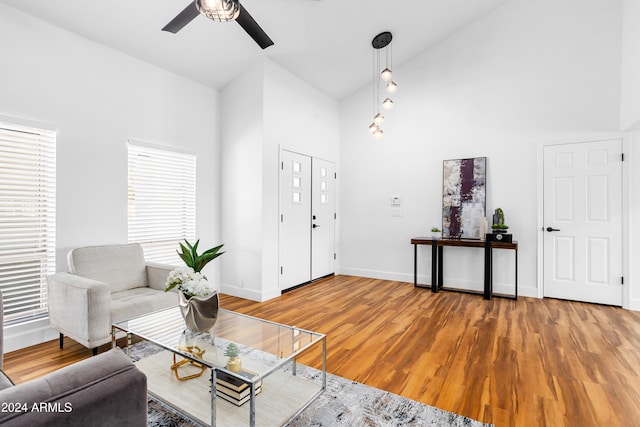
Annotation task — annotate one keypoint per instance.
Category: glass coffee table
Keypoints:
(273, 387)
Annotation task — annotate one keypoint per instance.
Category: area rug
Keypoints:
(344, 403)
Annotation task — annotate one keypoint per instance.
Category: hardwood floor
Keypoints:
(531, 362)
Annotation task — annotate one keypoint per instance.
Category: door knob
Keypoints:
(315, 226)
(549, 229)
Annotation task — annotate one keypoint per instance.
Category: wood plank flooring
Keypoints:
(531, 362)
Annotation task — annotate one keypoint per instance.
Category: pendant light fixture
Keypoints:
(381, 41)
(219, 10)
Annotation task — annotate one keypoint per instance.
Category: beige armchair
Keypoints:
(105, 284)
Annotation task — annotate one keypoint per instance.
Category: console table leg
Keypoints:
(516, 273)
(434, 265)
(440, 267)
(487, 270)
(415, 266)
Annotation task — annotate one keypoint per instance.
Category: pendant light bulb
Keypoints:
(378, 134)
(387, 104)
(373, 128)
(385, 74)
(392, 87)
(378, 119)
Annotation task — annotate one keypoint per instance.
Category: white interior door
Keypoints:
(583, 222)
(295, 219)
(322, 218)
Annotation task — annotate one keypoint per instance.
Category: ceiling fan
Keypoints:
(220, 10)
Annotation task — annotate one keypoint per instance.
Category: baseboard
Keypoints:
(466, 284)
(634, 304)
(24, 335)
(250, 294)
(384, 275)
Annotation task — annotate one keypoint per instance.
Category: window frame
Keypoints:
(161, 199)
(27, 217)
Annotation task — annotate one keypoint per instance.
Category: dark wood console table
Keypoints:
(437, 256)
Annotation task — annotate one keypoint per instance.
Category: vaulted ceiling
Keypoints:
(324, 42)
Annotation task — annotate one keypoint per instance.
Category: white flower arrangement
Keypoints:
(189, 282)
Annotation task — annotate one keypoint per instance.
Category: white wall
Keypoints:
(528, 73)
(299, 118)
(98, 98)
(241, 166)
(264, 109)
(630, 103)
(633, 197)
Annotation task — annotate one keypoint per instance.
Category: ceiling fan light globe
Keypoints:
(219, 10)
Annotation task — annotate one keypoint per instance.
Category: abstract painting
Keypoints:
(463, 197)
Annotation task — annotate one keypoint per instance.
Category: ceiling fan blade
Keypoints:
(252, 28)
(183, 18)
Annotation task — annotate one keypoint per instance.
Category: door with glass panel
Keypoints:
(307, 219)
(323, 215)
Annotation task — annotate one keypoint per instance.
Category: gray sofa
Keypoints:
(105, 390)
(104, 285)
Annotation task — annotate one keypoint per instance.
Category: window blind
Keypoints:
(161, 201)
(27, 219)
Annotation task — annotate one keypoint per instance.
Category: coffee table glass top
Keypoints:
(264, 345)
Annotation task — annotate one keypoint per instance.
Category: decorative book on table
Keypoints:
(233, 389)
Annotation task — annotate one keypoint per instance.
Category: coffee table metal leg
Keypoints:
(294, 366)
(252, 406)
(324, 363)
(213, 397)
(113, 337)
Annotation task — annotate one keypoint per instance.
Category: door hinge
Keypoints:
(335, 215)
(281, 218)
(622, 156)
(335, 175)
(622, 280)
(281, 270)
(282, 165)
(334, 256)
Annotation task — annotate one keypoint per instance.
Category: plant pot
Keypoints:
(436, 234)
(200, 313)
(234, 364)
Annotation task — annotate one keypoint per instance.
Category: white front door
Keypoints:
(295, 219)
(583, 222)
(307, 219)
(323, 218)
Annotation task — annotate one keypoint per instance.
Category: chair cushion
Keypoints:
(120, 266)
(139, 301)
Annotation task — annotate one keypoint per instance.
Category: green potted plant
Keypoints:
(498, 225)
(191, 258)
(234, 363)
(197, 297)
(436, 233)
